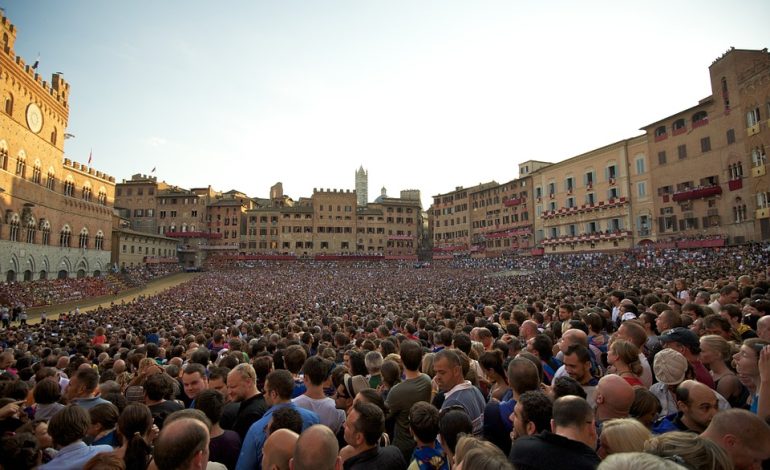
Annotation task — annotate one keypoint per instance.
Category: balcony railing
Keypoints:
(587, 238)
(192, 235)
(513, 202)
(758, 171)
(735, 184)
(700, 123)
(568, 211)
(698, 193)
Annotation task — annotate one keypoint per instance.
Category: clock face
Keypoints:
(34, 118)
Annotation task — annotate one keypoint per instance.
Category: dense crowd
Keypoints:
(57, 291)
(640, 359)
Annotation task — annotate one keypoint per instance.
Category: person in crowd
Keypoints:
(183, 444)
(692, 450)
(224, 445)
(279, 388)
(742, 435)
(316, 448)
(363, 428)
(424, 426)
(247, 404)
(453, 422)
(82, 389)
(571, 444)
(157, 388)
(458, 391)
(103, 427)
(622, 435)
(194, 380)
(279, 449)
(68, 429)
(315, 372)
(686, 343)
(531, 415)
(749, 372)
(523, 377)
(716, 354)
(614, 398)
(137, 433)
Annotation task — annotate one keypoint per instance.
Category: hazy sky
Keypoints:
(424, 94)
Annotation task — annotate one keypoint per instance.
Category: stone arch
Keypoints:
(81, 268)
(65, 265)
(98, 268)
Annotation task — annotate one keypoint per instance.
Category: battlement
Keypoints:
(85, 169)
(58, 89)
(333, 191)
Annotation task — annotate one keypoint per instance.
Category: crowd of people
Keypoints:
(654, 359)
(25, 294)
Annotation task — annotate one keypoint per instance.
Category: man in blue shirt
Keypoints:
(68, 428)
(279, 386)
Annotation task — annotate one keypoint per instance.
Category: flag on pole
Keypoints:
(37, 62)
(153, 169)
(90, 156)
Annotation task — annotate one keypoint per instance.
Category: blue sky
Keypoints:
(424, 94)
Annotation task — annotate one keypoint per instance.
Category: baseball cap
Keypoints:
(681, 335)
(670, 367)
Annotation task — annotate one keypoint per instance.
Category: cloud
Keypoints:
(155, 141)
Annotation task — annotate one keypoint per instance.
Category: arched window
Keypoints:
(69, 187)
(45, 229)
(83, 239)
(678, 126)
(102, 197)
(64, 237)
(99, 240)
(9, 104)
(53, 136)
(31, 230)
(87, 191)
(5, 42)
(21, 164)
(3, 155)
(700, 118)
(36, 173)
(660, 131)
(50, 181)
(739, 210)
(14, 228)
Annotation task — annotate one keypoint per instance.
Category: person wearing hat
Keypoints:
(671, 369)
(686, 342)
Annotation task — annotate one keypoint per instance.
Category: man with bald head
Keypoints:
(119, 366)
(763, 328)
(316, 448)
(697, 404)
(528, 330)
(279, 449)
(614, 397)
(182, 444)
(744, 436)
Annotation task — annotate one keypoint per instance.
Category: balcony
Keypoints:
(645, 232)
(680, 130)
(567, 211)
(762, 213)
(233, 246)
(699, 123)
(587, 238)
(513, 202)
(735, 184)
(752, 130)
(192, 235)
(661, 137)
(698, 193)
(758, 171)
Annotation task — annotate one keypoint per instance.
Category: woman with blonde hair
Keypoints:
(466, 445)
(715, 351)
(622, 435)
(689, 449)
(624, 357)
